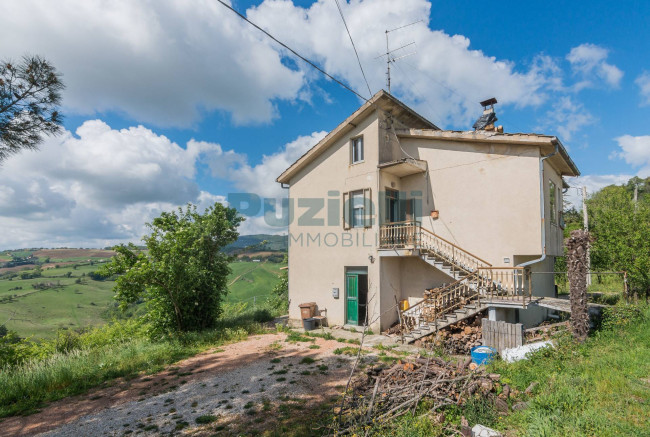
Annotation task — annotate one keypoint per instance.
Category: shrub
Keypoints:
(622, 315)
(183, 274)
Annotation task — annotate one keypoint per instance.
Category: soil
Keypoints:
(74, 253)
(222, 382)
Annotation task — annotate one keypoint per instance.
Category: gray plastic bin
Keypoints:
(309, 324)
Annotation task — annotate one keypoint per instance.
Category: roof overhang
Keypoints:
(381, 101)
(547, 143)
(404, 167)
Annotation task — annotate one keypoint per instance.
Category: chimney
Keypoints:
(486, 121)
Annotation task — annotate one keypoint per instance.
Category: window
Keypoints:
(552, 190)
(357, 209)
(356, 150)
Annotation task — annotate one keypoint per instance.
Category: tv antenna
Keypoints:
(389, 53)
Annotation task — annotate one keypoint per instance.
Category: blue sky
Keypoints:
(145, 78)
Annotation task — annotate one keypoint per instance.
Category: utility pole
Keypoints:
(585, 219)
(636, 195)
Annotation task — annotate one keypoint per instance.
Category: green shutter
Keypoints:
(367, 208)
(346, 210)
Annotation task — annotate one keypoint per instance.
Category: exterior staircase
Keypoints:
(476, 283)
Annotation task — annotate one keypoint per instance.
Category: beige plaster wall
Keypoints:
(487, 196)
(319, 253)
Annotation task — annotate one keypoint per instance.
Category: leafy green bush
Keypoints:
(622, 315)
(183, 274)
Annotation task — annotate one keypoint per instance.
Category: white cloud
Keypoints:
(162, 62)
(96, 188)
(589, 62)
(593, 183)
(445, 80)
(260, 179)
(567, 117)
(636, 152)
(643, 82)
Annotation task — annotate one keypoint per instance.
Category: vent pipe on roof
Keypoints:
(486, 121)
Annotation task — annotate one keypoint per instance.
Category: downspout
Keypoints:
(542, 207)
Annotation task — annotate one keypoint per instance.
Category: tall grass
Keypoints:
(105, 353)
(598, 388)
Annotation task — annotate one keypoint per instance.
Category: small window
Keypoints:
(552, 190)
(356, 150)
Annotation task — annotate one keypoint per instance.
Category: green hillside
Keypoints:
(274, 243)
(62, 303)
(252, 280)
(65, 297)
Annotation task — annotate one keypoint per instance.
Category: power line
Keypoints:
(353, 46)
(243, 17)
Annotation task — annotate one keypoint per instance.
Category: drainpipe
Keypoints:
(542, 205)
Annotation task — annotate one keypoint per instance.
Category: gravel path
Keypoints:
(241, 382)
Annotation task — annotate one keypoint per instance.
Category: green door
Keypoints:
(352, 298)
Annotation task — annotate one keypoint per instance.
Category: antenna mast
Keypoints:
(389, 59)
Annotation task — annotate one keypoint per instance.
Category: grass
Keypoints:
(40, 313)
(28, 387)
(252, 279)
(601, 387)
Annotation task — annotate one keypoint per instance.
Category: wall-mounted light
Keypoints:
(371, 259)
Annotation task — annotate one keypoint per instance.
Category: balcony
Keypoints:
(404, 167)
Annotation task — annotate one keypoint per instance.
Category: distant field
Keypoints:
(73, 254)
(70, 305)
(40, 313)
(252, 279)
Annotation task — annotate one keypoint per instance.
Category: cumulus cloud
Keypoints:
(97, 187)
(636, 152)
(169, 62)
(567, 117)
(259, 179)
(593, 183)
(589, 61)
(162, 62)
(445, 79)
(643, 82)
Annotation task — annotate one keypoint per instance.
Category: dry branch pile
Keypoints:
(389, 392)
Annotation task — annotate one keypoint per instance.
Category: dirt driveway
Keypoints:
(245, 381)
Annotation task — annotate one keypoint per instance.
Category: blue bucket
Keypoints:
(483, 354)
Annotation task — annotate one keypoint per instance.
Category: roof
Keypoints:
(382, 101)
(423, 128)
(547, 143)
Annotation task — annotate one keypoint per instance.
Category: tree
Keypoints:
(182, 276)
(621, 231)
(577, 246)
(30, 93)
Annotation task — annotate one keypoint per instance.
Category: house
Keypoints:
(389, 209)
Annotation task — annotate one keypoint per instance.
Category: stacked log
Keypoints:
(457, 339)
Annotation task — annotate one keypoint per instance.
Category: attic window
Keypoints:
(356, 150)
